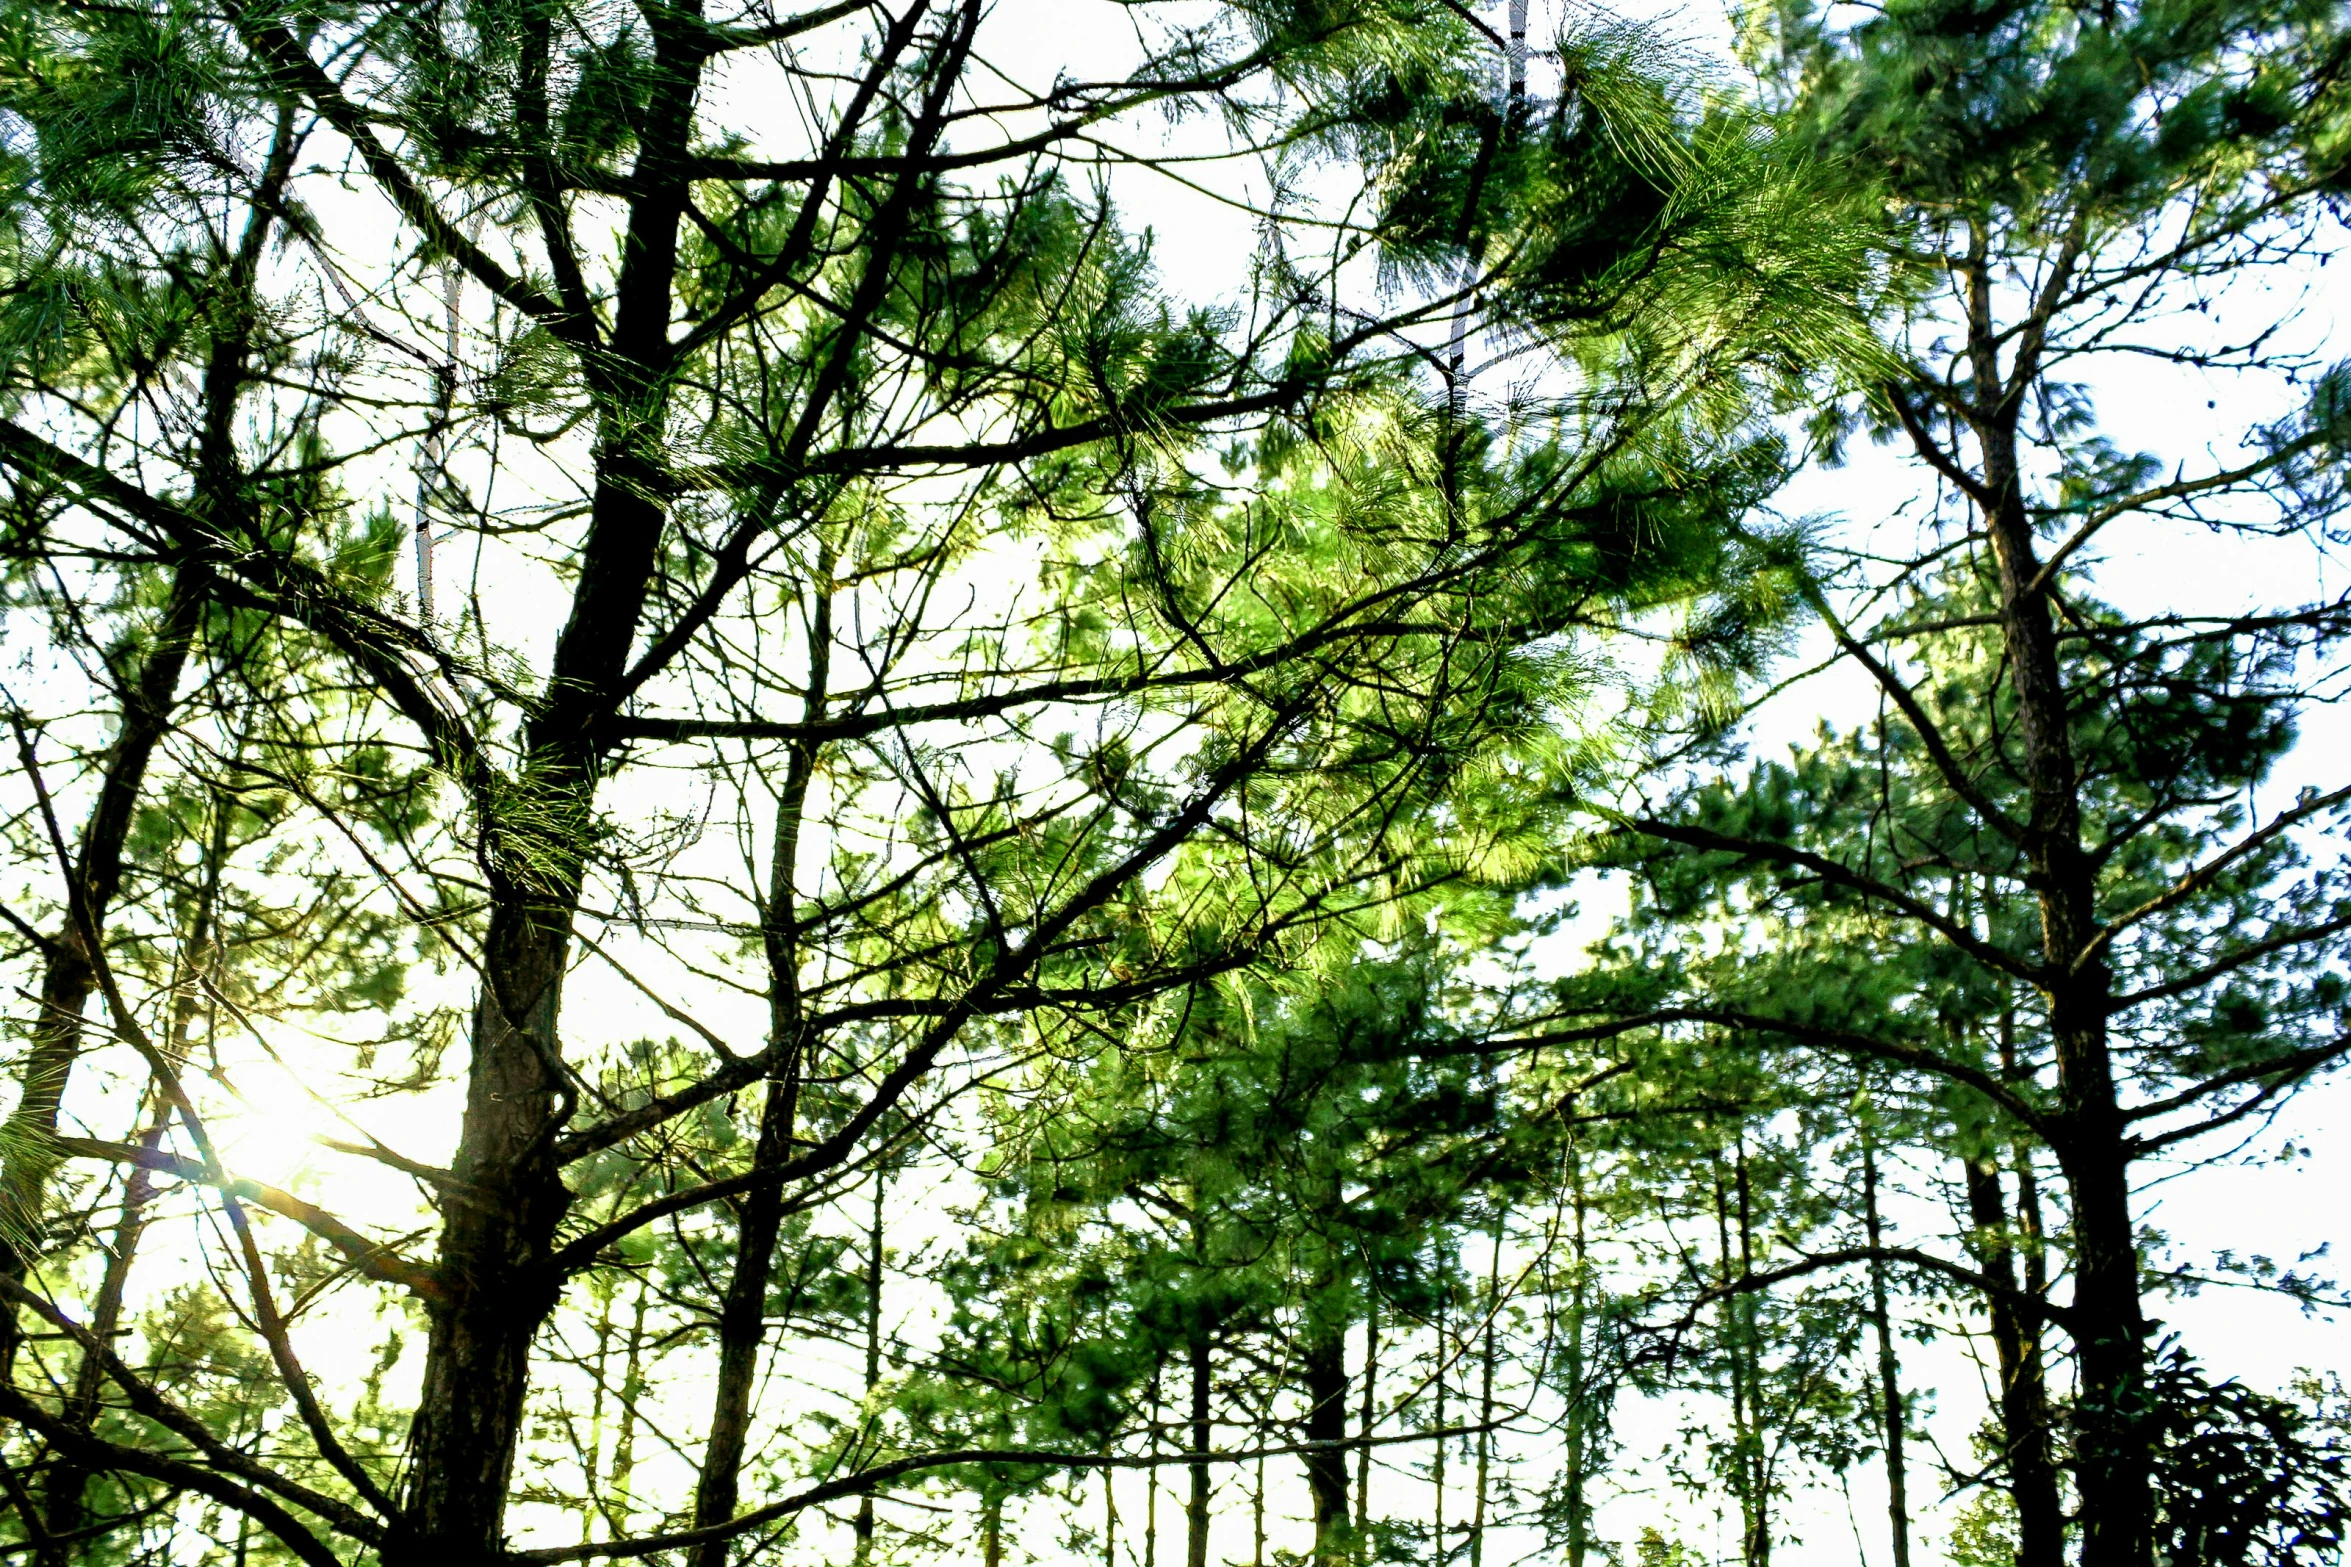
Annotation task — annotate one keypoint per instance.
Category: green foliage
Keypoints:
(2245, 1477)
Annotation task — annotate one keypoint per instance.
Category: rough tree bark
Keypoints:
(499, 1230)
(1324, 1375)
(2108, 1322)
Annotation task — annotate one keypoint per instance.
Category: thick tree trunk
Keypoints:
(2111, 1456)
(1325, 1376)
(496, 1236)
(2109, 1323)
(495, 1245)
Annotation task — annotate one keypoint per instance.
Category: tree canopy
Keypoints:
(921, 766)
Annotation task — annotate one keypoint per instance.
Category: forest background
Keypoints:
(1362, 783)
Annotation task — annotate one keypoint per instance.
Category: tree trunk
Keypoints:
(1891, 1406)
(1196, 1354)
(742, 1326)
(69, 1482)
(1257, 1516)
(2016, 1343)
(863, 1527)
(1437, 1463)
(1738, 1262)
(614, 1499)
(1151, 1485)
(495, 1245)
(1325, 1371)
(1485, 1448)
(495, 1238)
(2111, 1456)
(1368, 1421)
(1578, 1456)
(743, 1317)
(592, 1462)
(2109, 1322)
(68, 976)
(69, 972)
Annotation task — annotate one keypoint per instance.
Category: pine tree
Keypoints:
(1855, 902)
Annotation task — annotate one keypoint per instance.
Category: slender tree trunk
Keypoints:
(1892, 1409)
(1577, 1459)
(68, 976)
(1200, 1367)
(1151, 1486)
(1196, 1511)
(2040, 1508)
(1485, 1446)
(873, 1357)
(593, 1466)
(1734, 1233)
(1368, 1421)
(69, 1482)
(1757, 1478)
(1257, 1516)
(2016, 1343)
(742, 1325)
(623, 1471)
(1437, 1464)
(992, 1532)
(743, 1318)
